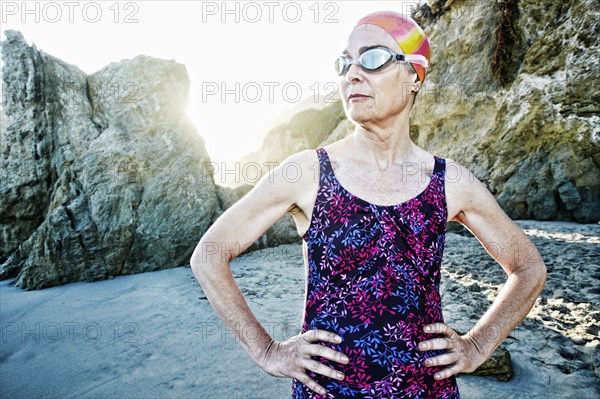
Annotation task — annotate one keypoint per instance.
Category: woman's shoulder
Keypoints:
(457, 173)
(303, 159)
(301, 168)
(464, 190)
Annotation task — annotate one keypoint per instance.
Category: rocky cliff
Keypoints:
(513, 94)
(102, 174)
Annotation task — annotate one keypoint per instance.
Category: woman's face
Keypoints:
(388, 90)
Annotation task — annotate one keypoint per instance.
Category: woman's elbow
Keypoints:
(543, 275)
(208, 253)
(537, 276)
(200, 255)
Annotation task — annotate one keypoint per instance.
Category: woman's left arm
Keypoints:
(476, 208)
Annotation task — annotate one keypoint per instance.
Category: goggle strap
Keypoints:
(414, 58)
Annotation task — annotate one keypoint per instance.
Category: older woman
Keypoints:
(373, 240)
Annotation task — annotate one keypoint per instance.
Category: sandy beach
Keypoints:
(155, 335)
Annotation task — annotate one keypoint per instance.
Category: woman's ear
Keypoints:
(417, 84)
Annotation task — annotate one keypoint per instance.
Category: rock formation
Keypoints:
(519, 103)
(103, 174)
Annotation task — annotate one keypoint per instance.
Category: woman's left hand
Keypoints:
(462, 352)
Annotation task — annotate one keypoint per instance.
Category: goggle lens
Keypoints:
(371, 60)
(341, 64)
(374, 59)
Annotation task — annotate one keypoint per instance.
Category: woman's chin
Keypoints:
(358, 116)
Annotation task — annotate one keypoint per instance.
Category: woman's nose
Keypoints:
(354, 73)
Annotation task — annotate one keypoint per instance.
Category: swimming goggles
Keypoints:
(377, 58)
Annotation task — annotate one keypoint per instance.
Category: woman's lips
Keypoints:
(357, 97)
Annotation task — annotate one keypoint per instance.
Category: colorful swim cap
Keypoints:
(406, 32)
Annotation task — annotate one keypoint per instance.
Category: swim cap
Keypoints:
(406, 32)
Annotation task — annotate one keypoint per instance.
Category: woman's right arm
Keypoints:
(231, 234)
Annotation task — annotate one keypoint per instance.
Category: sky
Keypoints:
(249, 62)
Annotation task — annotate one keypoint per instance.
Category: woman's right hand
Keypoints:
(292, 358)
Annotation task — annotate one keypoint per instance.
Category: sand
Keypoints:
(155, 335)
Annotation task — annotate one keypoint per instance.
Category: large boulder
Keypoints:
(102, 174)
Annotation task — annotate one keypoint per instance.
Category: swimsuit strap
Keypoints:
(325, 167)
